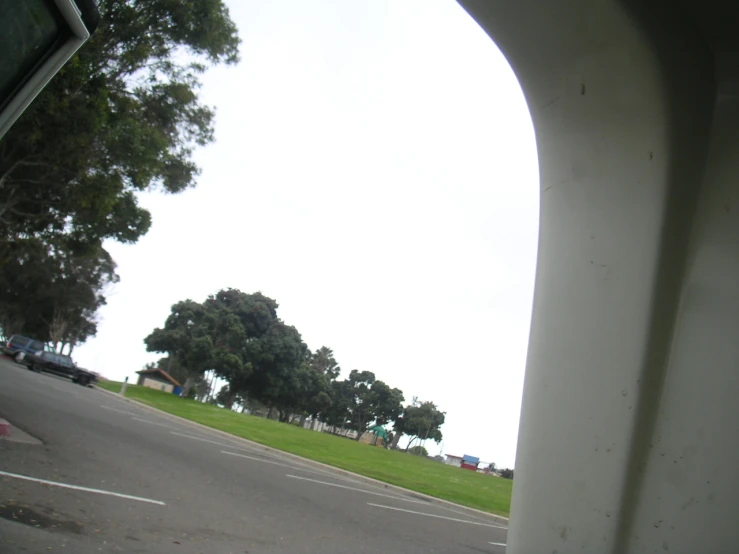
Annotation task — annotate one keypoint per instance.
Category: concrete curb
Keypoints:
(497, 518)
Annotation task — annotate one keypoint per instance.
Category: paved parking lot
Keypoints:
(99, 474)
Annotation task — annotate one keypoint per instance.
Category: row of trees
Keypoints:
(121, 117)
(240, 338)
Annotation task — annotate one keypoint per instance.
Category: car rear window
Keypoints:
(19, 340)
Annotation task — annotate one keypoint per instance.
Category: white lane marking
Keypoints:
(452, 510)
(271, 462)
(436, 516)
(77, 488)
(193, 437)
(117, 410)
(258, 459)
(357, 489)
(151, 422)
(294, 468)
(255, 450)
(498, 543)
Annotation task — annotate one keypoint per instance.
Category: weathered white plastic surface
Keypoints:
(629, 437)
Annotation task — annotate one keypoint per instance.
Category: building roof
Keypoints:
(156, 372)
(453, 456)
(470, 459)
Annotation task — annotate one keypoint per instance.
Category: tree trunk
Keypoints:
(409, 443)
(302, 421)
(186, 387)
(271, 413)
(312, 423)
(396, 440)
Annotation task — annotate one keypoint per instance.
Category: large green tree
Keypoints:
(370, 400)
(277, 359)
(240, 337)
(323, 362)
(419, 420)
(187, 338)
(52, 290)
(123, 115)
(322, 370)
(337, 413)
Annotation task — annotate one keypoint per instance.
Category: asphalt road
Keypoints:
(109, 476)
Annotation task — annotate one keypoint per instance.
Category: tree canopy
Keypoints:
(121, 117)
(241, 338)
(51, 290)
(420, 420)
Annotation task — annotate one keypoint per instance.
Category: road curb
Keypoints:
(341, 471)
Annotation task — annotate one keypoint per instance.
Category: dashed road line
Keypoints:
(117, 410)
(83, 489)
(151, 422)
(436, 516)
(357, 489)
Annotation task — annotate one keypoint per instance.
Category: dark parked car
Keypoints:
(18, 346)
(59, 364)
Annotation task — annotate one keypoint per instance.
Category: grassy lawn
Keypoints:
(484, 492)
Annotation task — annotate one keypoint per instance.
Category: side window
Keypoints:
(36, 346)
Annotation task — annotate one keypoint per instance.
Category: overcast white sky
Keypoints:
(375, 172)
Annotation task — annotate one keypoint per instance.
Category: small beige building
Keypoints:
(157, 379)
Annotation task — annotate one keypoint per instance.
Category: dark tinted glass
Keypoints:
(29, 31)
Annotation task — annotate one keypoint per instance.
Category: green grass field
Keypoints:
(484, 492)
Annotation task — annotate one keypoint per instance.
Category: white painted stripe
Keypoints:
(117, 410)
(251, 449)
(258, 459)
(77, 488)
(357, 489)
(273, 463)
(436, 516)
(466, 514)
(193, 437)
(498, 543)
(151, 422)
(314, 471)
